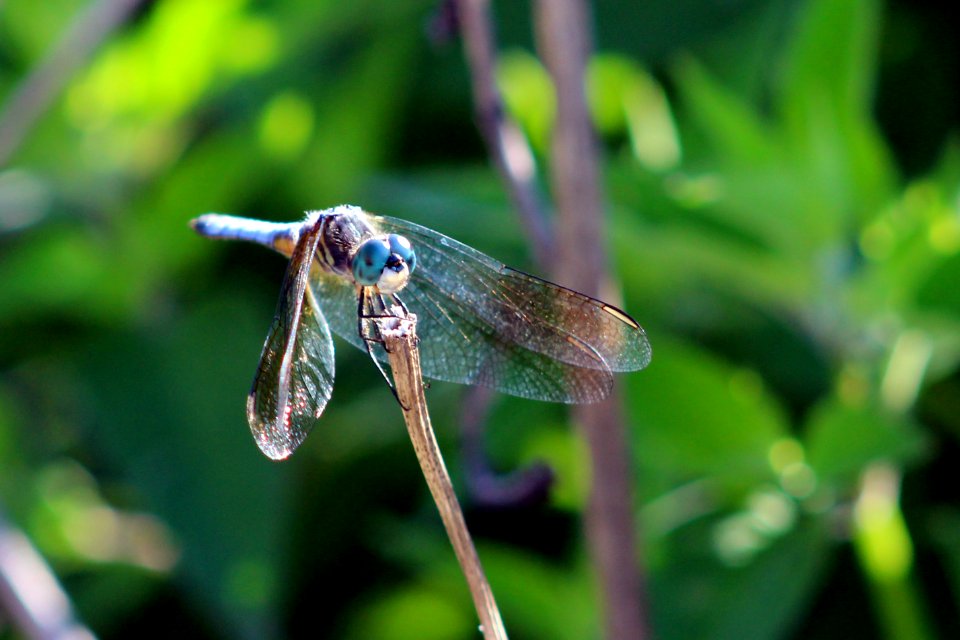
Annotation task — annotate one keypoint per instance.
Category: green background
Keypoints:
(781, 179)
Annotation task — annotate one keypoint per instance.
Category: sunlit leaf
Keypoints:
(696, 597)
(695, 416)
(843, 438)
(528, 95)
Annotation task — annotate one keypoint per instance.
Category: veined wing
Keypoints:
(294, 379)
(460, 350)
(480, 322)
(540, 315)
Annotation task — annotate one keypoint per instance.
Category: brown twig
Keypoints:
(400, 341)
(35, 94)
(564, 43)
(505, 141)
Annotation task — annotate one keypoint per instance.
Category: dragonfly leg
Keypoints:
(397, 299)
(382, 311)
(363, 315)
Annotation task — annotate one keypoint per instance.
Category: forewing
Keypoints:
(480, 322)
(537, 314)
(459, 345)
(294, 379)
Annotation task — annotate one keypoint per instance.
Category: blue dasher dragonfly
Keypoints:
(479, 321)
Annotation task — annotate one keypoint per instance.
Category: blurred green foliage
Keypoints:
(783, 197)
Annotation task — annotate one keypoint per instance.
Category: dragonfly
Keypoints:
(479, 321)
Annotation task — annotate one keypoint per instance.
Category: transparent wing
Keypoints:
(294, 379)
(480, 322)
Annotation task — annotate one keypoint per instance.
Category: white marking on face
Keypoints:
(393, 281)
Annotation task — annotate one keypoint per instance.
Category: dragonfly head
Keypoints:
(385, 262)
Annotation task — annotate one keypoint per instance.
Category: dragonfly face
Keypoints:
(384, 262)
(479, 321)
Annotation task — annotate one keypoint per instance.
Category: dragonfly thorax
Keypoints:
(384, 262)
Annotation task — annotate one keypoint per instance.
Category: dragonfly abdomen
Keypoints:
(281, 236)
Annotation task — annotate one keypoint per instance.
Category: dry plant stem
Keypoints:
(33, 96)
(505, 142)
(400, 341)
(564, 43)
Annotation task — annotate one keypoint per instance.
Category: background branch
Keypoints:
(505, 141)
(564, 43)
(511, 155)
(28, 102)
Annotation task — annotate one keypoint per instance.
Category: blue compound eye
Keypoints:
(369, 262)
(402, 247)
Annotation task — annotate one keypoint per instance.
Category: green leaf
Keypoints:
(939, 290)
(695, 596)
(735, 127)
(528, 95)
(833, 53)
(624, 98)
(942, 526)
(693, 416)
(412, 611)
(540, 599)
(355, 119)
(183, 441)
(758, 191)
(825, 99)
(842, 438)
